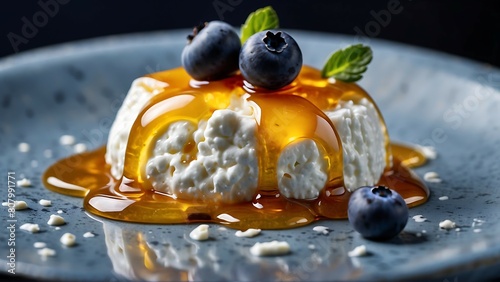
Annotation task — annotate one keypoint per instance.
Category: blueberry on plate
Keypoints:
(270, 59)
(377, 212)
(212, 51)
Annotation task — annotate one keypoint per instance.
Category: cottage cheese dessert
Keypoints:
(221, 156)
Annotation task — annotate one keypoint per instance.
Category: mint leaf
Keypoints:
(260, 20)
(348, 64)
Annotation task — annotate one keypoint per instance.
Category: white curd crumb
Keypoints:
(46, 252)
(458, 229)
(321, 229)
(250, 232)
(432, 177)
(20, 205)
(311, 247)
(80, 148)
(447, 224)
(31, 227)
(45, 203)
(477, 230)
(39, 245)
(47, 153)
(200, 233)
(68, 239)
(477, 222)
(443, 198)
(222, 228)
(60, 211)
(23, 147)
(67, 140)
(88, 234)
(56, 220)
(57, 228)
(359, 251)
(17, 205)
(429, 152)
(419, 218)
(273, 248)
(25, 182)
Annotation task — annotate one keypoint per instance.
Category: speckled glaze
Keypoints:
(427, 98)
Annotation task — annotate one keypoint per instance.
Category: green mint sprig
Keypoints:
(263, 19)
(348, 64)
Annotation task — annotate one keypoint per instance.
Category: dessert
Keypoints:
(242, 148)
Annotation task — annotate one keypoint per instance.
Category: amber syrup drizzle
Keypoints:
(286, 115)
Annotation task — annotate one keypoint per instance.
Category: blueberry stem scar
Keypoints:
(196, 30)
(382, 191)
(274, 42)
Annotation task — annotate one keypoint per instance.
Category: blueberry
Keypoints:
(377, 212)
(270, 59)
(212, 51)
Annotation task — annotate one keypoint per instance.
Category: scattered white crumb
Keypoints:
(477, 230)
(57, 228)
(31, 227)
(39, 245)
(25, 182)
(447, 224)
(46, 252)
(424, 231)
(359, 251)
(222, 228)
(429, 152)
(200, 233)
(45, 203)
(47, 153)
(67, 140)
(88, 235)
(443, 198)
(418, 234)
(60, 211)
(419, 218)
(311, 247)
(23, 147)
(68, 239)
(17, 205)
(80, 148)
(458, 229)
(321, 229)
(477, 222)
(34, 163)
(250, 232)
(273, 248)
(432, 177)
(56, 220)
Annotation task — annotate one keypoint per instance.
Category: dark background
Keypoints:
(466, 28)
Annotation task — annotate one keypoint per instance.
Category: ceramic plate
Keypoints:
(427, 98)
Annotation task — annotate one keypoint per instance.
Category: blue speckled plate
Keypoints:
(427, 98)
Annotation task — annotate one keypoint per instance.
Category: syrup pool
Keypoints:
(291, 113)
